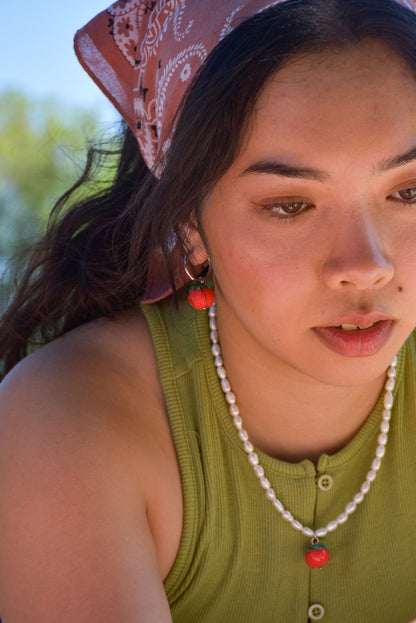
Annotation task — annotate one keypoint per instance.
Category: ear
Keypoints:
(197, 250)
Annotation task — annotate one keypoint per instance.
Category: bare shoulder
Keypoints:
(114, 345)
(98, 378)
(87, 472)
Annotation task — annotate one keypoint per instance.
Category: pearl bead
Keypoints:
(382, 439)
(221, 372)
(385, 427)
(389, 385)
(321, 532)
(248, 447)
(225, 385)
(391, 373)
(258, 469)
(279, 506)
(365, 487)
(358, 497)
(375, 465)
(342, 518)
(287, 515)
(332, 526)
(230, 398)
(388, 400)
(253, 459)
(264, 482)
(234, 410)
(386, 415)
(215, 350)
(271, 494)
(296, 524)
(350, 508)
(214, 336)
(243, 434)
(371, 476)
(212, 311)
(380, 452)
(218, 361)
(238, 422)
(308, 532)
(213, 323)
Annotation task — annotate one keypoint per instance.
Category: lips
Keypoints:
(358, 335)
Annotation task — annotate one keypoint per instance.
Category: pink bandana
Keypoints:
(144, 53)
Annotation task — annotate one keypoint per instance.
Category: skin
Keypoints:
(90, 491)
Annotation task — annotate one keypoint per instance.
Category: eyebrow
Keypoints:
(398, 161)
(280, 168)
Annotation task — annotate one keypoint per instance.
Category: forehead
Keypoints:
(338, 70)
(361, 93)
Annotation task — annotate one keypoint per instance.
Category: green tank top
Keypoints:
(239, 561)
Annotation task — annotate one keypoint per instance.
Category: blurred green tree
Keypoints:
(43, 148)
(42, 151)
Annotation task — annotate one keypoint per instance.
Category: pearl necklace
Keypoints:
(317, 555)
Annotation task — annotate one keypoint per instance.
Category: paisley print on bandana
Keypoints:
(144, 53)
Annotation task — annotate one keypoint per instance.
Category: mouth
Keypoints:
(356, 340)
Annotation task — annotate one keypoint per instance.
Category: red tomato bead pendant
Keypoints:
(201, 297)
(317, 555)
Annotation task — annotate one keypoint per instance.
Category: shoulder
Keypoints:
(98, 385)
(85, 415)
(95, 390)
(86, 366)
(74, 489)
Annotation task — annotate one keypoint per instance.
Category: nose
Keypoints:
(358, 258)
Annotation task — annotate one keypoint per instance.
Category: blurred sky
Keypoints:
(36, 52)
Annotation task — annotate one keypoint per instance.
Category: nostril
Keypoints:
(363, 275)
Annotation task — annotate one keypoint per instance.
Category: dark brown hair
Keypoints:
(94, 256)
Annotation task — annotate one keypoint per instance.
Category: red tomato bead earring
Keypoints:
(200, 296)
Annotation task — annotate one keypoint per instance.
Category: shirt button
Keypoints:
(316, 612)
(325, 482)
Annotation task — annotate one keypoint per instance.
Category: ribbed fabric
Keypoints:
(238, 561)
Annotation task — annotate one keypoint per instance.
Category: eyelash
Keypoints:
(402, 199)
(288, 216)
(270, 208)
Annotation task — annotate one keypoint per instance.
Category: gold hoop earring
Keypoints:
(200, 296)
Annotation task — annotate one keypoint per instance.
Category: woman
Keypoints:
(280, 152)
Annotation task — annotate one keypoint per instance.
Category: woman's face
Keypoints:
(312, 231)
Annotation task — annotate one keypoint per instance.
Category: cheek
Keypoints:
(261, 268)
(404, 261)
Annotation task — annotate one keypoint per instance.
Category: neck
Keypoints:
(296, 421)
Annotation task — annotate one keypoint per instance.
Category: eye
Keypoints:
(286, 209)
(408, 195)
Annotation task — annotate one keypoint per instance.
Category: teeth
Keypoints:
(354, 327)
